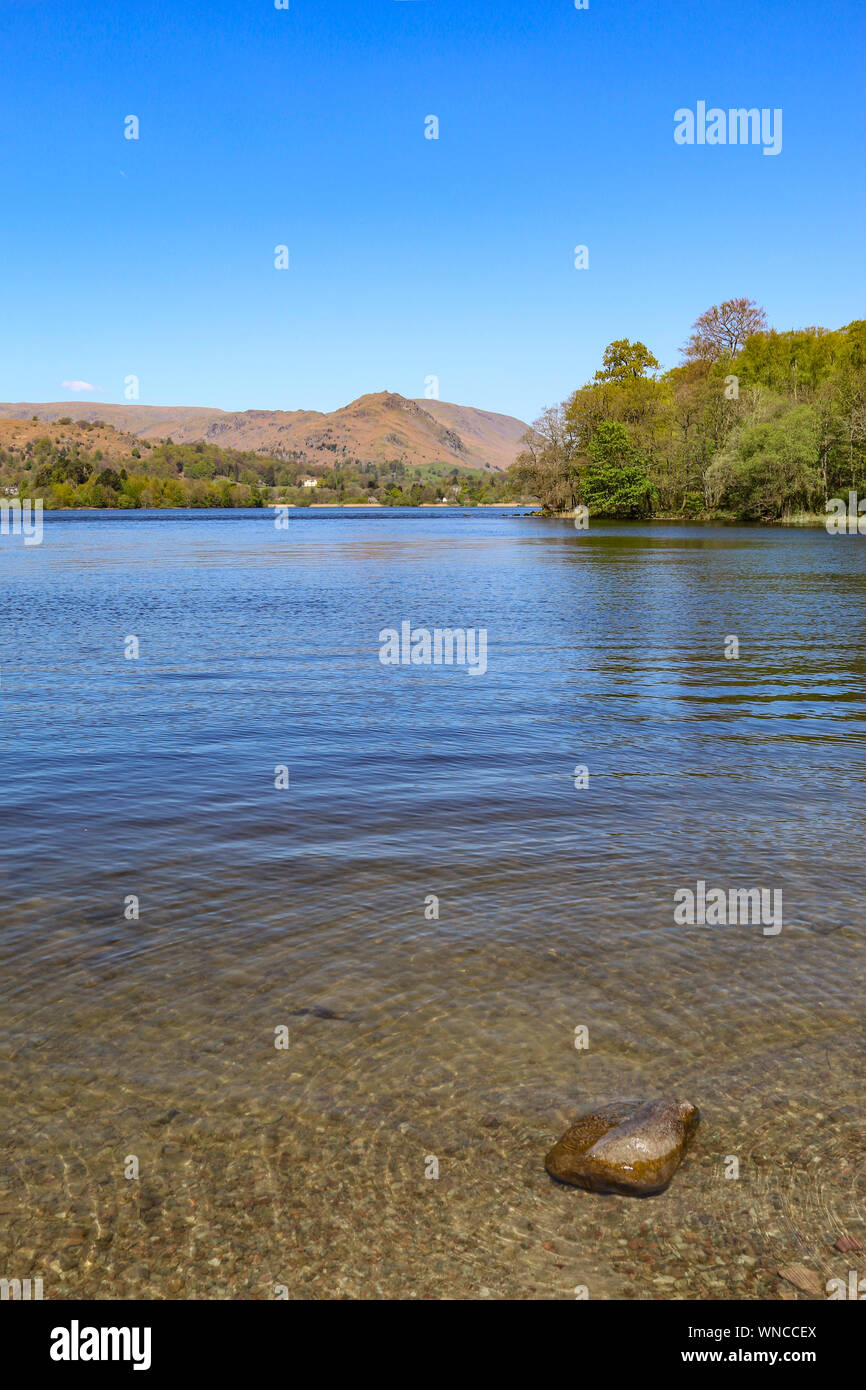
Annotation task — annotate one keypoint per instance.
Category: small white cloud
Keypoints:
(78, 385)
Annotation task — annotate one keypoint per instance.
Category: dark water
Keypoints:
(413, 1038)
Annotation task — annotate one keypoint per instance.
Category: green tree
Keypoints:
(110, 478)
(616, 482)
(771, 470)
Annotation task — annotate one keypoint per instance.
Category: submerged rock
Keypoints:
(317, 1011)
(632, 1147)
(803, 1278)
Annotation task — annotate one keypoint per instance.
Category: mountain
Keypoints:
(373, 429)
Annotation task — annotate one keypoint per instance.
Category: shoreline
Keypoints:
(804, 521)
(527, 509)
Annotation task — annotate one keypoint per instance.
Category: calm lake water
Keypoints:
(412, 1038)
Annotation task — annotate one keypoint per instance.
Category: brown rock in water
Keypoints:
(803, 1278)
(631, 1147)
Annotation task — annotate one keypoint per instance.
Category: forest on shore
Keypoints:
(752, 425)
(83, 464)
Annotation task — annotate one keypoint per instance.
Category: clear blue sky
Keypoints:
(410, 257)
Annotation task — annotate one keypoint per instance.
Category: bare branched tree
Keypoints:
(722, 330)
(549, 464)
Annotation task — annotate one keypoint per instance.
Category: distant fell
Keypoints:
(373, 429)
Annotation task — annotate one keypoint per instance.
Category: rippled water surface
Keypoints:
(413, 1039)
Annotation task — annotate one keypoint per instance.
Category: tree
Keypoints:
(549, 465)
(109, 478)
(625, 389)
(771, 469)
(722, 330)
(704, 413)
(616, 482)
(624, 361)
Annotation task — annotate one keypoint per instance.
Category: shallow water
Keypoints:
(454, 1038)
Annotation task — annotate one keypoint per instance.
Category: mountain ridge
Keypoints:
(374, 428)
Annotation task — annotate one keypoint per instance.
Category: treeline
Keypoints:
(65, 471)
(752, 424)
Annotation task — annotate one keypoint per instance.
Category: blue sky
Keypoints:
(410, 257)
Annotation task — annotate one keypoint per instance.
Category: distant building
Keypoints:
(310, 482)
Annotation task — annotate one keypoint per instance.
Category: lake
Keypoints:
(284, 1006)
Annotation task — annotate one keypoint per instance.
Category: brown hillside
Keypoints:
(17, 434)
(372, 429)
